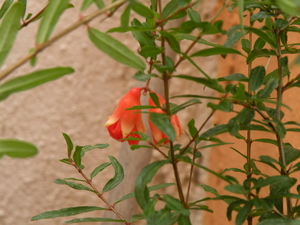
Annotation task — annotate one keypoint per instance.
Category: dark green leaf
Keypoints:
(5, 6)
(69, 144)
(141, 191)
(77, 155)
(269, 88)
(94, 219)
(143, 37)
(176, 108)
(118, 177)
(260, 15)
(99, 3)
(218, 129)
(91, 147)
(225, 106)
(115, 49)
(184, 220)
(234, 77)
(245, 116)
(209, 189)
(51, 16)
(291, 153)
(65, 212)
(243, 213)
(192, 128)
(236, 188)
(99, 169)
(140, 76)
(32, 80)
(17, 148)
(234, 36)
(259, 43)
(266, 140)
(211, 83)
(73, 185)
(262, 34)
(233, 127)
(171, 40)
(162, 122)
(194, 15)
(281, 180)
(141, 9)
(170, 7)
(9, 28)
(256, 78)
(149, 51)
(175, 205)
(216, 51)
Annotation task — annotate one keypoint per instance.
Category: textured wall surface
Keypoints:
(78, 105)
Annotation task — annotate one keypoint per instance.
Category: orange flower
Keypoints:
(158, 135)
(123, 122)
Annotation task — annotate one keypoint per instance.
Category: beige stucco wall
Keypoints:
(78, 105)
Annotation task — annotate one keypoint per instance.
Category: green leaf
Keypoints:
(192, 129)
(118, 177)
(209, 189)
(281, 180)
(65, 212)
(245, 116)
(194, 15)
(266, 140)
(279, 221)
(32, 80)
(52, 14)
(17, 148)
(225, 106)
(5, 6)
(170, 7)
(99, 3)
(77, 155)
(162, 122)
(261, 34)
(125, 17)
(143, 37)
(140, 76)
(234, 77)
(94, 219)
(175, 205)
(85, 4)
(216, 51)
(243, 213)
(256, 78)
(236, 188)
(141, 9)
(256, 53)
(69, 144)
(99, 169)
(171, 40)
(9, 28)
(289, 7)
(91, 147)
(73, 185)
(211, 83)
(184, 220)
(141, 191)
(176, 108)
(218, 129)
(115, 49)
(291, 153)
(269, 88)
(149, 51)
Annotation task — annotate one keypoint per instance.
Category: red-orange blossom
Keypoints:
(123, 122)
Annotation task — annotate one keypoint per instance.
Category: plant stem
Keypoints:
(89, 181)
(191, 175)
(41, 47)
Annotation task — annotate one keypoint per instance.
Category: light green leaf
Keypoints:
(73, 185)
(32, 80)
(9, 28)
(94, 219)
(52, 13)
(85, 4)
(65, 212)
(175, 205)
(141, 9)
(17, 148)
(99, 169)
(279, 221)
(115, 49)
(118, 177)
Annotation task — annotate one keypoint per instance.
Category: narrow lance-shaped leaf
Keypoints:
(175, 205)
(52, 14)
(94, 219)
(65, 212)
(9, 28)
(99, 169)
(216, 51)
(69, 144)
(17, 148)
(73, 185)
(118, 177)
(32, 80)
(5, 6)
(115, 49)
(141, 9)
(141, 191)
